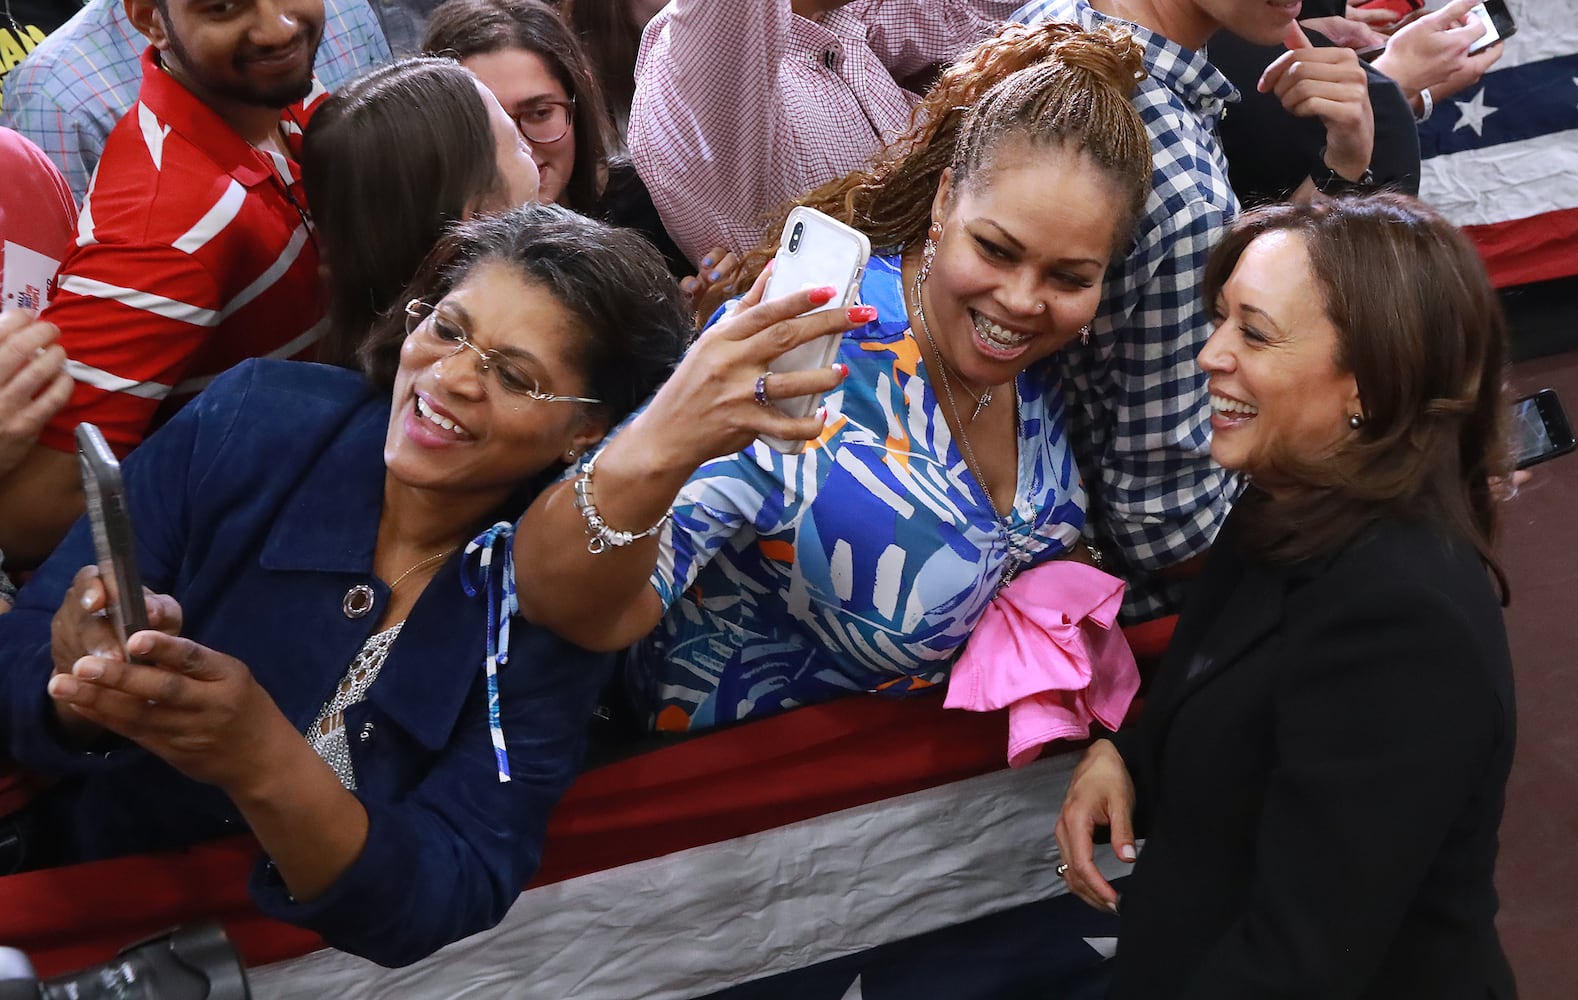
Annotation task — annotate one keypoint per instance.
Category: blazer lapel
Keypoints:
(1251, 608)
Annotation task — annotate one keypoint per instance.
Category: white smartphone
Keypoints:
(114, 542)
(815, 250)
(1498, 22)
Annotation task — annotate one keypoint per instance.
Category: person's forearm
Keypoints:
(309, 825)
(39, 500)
(599, 600)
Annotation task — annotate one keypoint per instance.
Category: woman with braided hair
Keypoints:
(939, 468)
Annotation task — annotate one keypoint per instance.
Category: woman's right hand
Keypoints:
(1101, 793)
(81, 627)
(708, 407)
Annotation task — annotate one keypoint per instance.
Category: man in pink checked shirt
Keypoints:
(742, 105)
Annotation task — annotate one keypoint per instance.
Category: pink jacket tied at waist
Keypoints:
(1049, 650)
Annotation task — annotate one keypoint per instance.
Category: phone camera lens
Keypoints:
(794, 236)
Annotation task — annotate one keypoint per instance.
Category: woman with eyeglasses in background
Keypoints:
(532, 62)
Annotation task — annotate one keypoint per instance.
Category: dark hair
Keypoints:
(612, 39)
(389, 162)
(466, 28)
(1421, 329)
(632, 324)
(1047, 84)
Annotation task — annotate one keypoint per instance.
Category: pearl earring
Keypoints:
(569, 456)
(1355, 421)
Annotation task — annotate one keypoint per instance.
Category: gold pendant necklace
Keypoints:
(425, 562)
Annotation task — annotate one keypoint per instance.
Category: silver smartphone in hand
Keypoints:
(114, 544)
(815, 251)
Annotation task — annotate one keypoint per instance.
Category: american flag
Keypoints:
(1501, 158)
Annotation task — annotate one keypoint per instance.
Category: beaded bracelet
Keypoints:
(602, 537)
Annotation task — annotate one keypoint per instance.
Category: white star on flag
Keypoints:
(1472, 114)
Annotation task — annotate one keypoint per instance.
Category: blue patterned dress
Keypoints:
(861, 564)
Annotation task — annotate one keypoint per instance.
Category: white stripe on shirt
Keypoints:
(214, 221)
(101, 379)
(183, 312)
(153, 134)
(276, 270)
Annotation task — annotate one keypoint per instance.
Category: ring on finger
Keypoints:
(1062, 869)
(761, 389)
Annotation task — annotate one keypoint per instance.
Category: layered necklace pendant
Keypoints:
(1015, 553)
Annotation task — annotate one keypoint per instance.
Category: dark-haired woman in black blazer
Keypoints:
(1320, 768)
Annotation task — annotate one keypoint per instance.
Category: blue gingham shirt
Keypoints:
(71, 90)
(1141, 415)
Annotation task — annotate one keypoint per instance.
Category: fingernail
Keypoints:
(87, 670)
(137, 644)
(821, 414)
(1112, 907)
(87, 602)
(769, 268)
(707, 262)
(843, 370)
(714, 276)
(62, 686)
(689, 284)
(823, 295)
(862, 314)
(1126, 852)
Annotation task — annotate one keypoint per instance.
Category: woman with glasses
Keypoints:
(334, 661)
(531, 61)
(389, 163)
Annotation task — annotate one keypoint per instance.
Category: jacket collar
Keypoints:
(331, 523)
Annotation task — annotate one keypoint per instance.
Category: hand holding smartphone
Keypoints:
(1498, 22)
(114, 544)
(814, 251)
(1540, 429)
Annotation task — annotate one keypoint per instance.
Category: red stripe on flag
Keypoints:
(1527, 250)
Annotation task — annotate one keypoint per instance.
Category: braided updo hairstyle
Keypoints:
(1052, 84)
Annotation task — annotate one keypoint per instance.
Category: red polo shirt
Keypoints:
(194, 252)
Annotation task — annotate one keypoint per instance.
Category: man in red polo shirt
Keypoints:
(194, 248)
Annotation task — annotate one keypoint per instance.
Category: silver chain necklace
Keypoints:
(1014, 557)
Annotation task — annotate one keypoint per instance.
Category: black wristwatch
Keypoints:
(1330, 182)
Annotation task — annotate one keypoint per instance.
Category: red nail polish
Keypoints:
(821, 414)
(843, 370)
(862, 314)
(822, 296)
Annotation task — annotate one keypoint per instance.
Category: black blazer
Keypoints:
(1320, 768)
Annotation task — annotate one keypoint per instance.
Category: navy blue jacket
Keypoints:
(257, 508)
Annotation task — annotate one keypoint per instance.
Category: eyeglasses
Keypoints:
(545, 121)
(425, 321)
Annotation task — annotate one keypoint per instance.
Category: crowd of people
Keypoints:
(436, 342)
